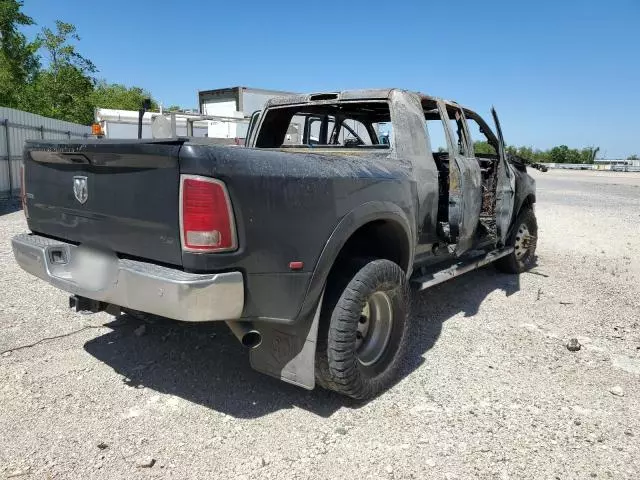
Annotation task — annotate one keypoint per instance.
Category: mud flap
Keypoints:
(288, 352)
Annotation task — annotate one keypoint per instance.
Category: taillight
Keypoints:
(23, 194)
(206, 217)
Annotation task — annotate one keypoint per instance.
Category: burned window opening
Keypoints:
(483, 139)
(440, 152)
(463, 122)
(332, 125)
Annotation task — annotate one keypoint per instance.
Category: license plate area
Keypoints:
(93, 269)
(87, 267)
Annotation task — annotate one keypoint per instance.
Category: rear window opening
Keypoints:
(337, 125)
(323, 96)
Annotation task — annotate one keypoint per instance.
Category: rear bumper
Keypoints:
(136, 285)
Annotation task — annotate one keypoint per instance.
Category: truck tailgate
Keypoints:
(119, 195)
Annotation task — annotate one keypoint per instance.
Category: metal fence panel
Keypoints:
(17, 126)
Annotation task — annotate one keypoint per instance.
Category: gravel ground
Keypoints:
(489, 390)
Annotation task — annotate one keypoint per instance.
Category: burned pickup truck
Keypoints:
(306, 243)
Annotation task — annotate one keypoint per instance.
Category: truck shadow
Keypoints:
(205, 364)
(9, 206)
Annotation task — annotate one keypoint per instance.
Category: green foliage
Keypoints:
(64, 93)
(66, 88)
(62, 90)
(18, 59)
(633, 157)
(62, 53)
(558, 154)
(119, 96)
(484, 147)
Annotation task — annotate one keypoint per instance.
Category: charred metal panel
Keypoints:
(525, 192)
(506, 187)
(465, 188)
(504, 199)
(348, 95)
(411, 144)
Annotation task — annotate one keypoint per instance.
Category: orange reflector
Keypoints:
(296, 265)
(96, 130)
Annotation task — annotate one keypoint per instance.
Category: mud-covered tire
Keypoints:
(344, 361)
(524, 239)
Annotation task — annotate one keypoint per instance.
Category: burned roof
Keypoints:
(345, 95)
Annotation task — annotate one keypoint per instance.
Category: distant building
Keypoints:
(617, 164)
(222, 114)
(236, 102)
(226, 101)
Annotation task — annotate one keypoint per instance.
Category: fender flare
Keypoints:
(288, 351)
(528, 199)
(347, 226)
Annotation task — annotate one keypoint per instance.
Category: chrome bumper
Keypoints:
(136, 285)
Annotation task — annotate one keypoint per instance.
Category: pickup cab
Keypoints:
(307, 242)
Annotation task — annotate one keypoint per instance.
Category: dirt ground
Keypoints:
(489, 389)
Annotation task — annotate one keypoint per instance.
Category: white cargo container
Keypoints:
(241, 101)
(225, 101)
(124, 123)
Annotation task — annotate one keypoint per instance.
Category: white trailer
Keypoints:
(124, 124)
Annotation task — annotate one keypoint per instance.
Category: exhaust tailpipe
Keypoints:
(244, 331)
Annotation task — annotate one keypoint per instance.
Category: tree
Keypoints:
(633, 157)
(560, 154)
(484, 147)
(114, 95)
(64, 94)
(64, 89)
(18, 59)
(61, 52)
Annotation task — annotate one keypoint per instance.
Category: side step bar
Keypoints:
(464, 266)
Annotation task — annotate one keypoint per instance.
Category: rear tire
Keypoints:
(523, 239)
(363, 334)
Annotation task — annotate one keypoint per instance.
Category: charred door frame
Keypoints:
(506, 187)
(465, 182)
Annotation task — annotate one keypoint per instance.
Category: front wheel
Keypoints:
(523, 239)
(364, 331)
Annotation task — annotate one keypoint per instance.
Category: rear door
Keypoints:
(465, 183)
(116, 195)
(505, 188)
